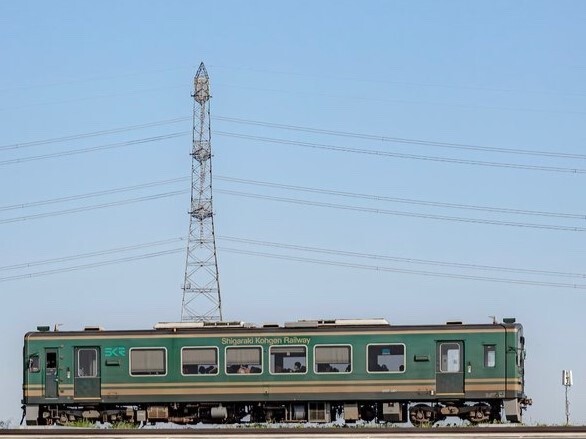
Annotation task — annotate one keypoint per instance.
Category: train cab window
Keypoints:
(34, 363)
(333, 359)
(148, 361)
(87, 363)
(243, 360)
(489, 355)
(386, 358)
(288, 359)
(199, 361)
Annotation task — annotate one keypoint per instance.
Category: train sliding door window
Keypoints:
(333, 359)
(449, 371)
(86, 379)
(51, 376)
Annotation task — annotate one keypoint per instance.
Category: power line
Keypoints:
(287, 200)
(346, 134)
(92, 134)
(89, 255)
(405, 271)
(380, 153)
(402, 139)
(297, 259)
(356, 79)
(402, 213)
(466, 266)
(301, 189)
(92, 194)
(337, 252)
(94, 148)
(92, 265)
(404, 200)
(94, 207)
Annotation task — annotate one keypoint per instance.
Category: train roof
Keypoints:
(325, 325)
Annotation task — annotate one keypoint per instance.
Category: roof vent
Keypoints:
(93, 328)
(270, 325)
(200, 325)
(302, 324)
(454, 322)
(510, 320)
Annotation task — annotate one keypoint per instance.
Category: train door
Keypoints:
(51, 375)
(86, 378)
(449, 377)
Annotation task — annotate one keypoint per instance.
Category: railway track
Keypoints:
(298, 433)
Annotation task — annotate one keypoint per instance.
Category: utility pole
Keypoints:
(567, 382)
(201, 287)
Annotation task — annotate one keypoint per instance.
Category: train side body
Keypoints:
(306, 372)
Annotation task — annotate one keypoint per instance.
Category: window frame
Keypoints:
(243, 347)
(387, 371)
(200, 374)
(460, 349)
(487, 348)
(334, 345)
(148, 348)
(292, 372)
(79, 363)
(32, 360)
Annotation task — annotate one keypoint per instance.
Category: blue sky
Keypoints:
(489, 96)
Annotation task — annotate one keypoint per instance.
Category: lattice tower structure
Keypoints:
(201, 286)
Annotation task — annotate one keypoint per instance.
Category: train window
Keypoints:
(243, 360)
(51, 360)
(386, 357)
(199, 361)
(33, 363)
(87, 363)
(489, 355)
(450, 357)
(148, 361)
(333, 359)
(288, 359)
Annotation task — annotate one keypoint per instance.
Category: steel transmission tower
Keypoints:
(201, 287)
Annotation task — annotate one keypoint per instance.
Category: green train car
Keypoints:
(303, 371)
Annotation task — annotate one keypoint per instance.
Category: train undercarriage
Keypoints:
(419, 414)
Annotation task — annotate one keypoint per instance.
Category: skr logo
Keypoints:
(118, 351)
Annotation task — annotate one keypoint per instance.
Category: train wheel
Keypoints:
(422, 415)
(368, 412)
(480, 414)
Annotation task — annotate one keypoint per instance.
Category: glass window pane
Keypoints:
(450, 357)
(288, 359)
(87, 363)
(243, 360)
(386, 358)
(147, 362)
(333, 359)
(490, 356)
(199, 361)
(33, 363)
